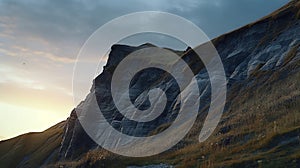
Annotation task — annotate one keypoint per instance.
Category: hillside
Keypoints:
(260, 126)
(31, 149)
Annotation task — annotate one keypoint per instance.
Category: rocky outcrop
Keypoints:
(75, 137)
(266, 45)
(75, 140)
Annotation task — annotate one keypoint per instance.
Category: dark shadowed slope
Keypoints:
(31, 150)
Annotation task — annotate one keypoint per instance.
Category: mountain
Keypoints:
(260, 126)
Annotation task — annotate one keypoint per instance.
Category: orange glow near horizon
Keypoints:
(19, 120)
(31, 110)
(33, 97)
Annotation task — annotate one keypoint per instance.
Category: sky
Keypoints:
(40, 40)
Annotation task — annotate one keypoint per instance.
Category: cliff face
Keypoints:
(261, 119)
(265, 46)
(75, 137)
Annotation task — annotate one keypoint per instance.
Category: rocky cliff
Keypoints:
(261, 121)
(266, 45)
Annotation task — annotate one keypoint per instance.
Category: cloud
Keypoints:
(28, 52)
(57, 29)
(30, 77)
(11, 76)
(65, 23)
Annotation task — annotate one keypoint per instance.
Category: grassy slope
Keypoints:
(31, 149)
(262, 129)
